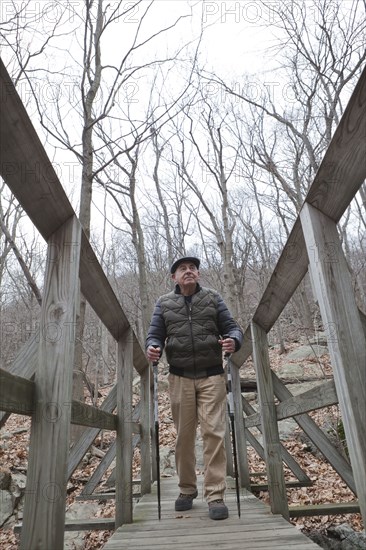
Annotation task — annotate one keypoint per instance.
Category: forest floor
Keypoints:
(327, 486)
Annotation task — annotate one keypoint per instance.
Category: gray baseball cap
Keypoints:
(192, 259)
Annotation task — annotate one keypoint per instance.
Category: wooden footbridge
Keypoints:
(39, 382)
(256, 528)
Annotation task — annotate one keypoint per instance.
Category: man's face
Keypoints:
(186, 274)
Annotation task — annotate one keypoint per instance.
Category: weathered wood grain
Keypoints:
(321, 396)
(332, 508)
(271, 440)
(124, 450)
(25, 166)
(103, 466)
(343, 168)
(24, 364)
(363, 321)
(82, 445)
(87, 415)
(44, 507)
(346, 341)
(317, 436)
(16, 394)
(256, 528)
(249, 385)
(257, 487)
(100, 469)
(92, 524)
(286, 456)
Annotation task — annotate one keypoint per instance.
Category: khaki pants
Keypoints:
(202, 401)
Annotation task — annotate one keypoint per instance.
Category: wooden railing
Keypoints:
(39, 381)
(314, 245)
(46, 363)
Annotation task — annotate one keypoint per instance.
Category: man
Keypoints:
(195, 327)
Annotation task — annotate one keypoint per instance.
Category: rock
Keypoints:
(5, 479)
(286, 428)
(306, 352)
(17, 488)
(4, 446)
(199, 453)
(74, 540)
(251, 396)
(11, 501)
(341, 537)
(300, 371)
(6, 506)
(167, 463)
(20, 480)
(324, 542)
(351, 540)
(290, 370)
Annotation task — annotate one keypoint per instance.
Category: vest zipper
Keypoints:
(189, 308)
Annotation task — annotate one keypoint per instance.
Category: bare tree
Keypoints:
(11, 243)
(285, 127)
(21, 263)
(210, 162)
(10, 214)
(293, 119)
(26, 34)
(84, 125)
(177, 211)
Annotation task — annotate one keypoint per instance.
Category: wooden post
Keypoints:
(45, 495)
(271, 440)
(124, 451)
(240, 429)
(145, 439)
(346, 339)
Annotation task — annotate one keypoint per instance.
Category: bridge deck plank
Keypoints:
(256, 528)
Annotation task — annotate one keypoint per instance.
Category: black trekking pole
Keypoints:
(232, 421)
(156, 419)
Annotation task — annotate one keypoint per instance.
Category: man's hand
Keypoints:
(228, 345)
(153, 354)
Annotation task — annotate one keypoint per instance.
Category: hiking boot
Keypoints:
(217, 509)
(184, 502)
